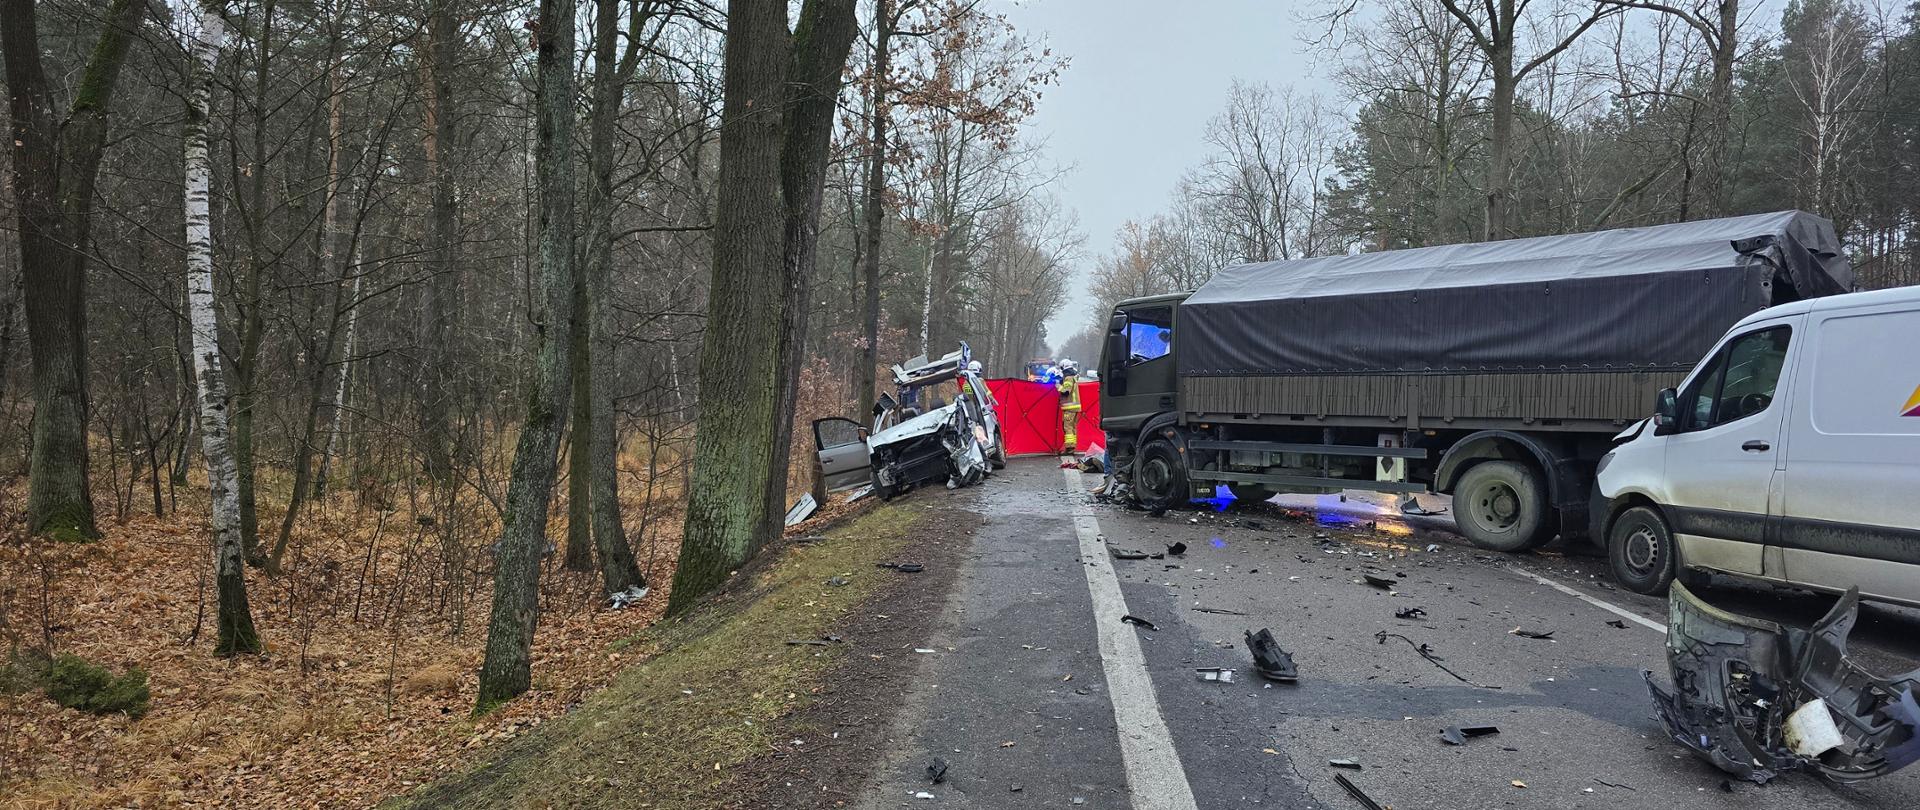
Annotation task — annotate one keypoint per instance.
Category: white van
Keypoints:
(1790, 455)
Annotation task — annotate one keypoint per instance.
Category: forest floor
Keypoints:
(374, 634)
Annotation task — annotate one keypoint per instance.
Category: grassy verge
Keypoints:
(669, 732)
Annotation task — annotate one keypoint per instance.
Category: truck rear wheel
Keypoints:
(1502, 506)
(1160, 475)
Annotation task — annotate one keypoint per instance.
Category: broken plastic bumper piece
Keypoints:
(1757, 698)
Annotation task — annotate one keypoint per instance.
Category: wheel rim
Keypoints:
(1496, 506)
(1641, 551)
(1154, 476)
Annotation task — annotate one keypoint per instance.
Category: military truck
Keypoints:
(1495, 372)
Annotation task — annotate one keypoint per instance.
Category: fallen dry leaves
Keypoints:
(374, 635)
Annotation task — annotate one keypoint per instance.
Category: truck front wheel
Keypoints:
(1502, 506)
(1160, 475)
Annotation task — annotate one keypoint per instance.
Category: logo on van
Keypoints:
(1912, 408)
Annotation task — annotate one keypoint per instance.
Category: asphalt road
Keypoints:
(1034, 694)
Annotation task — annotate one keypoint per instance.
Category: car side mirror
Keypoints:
(883, 404)
(1666, 412)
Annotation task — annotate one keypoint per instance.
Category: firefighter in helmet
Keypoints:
(1069, 387)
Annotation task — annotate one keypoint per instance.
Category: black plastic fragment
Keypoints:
(937, 771)
(1410, 613)
(1355, 791)
(1457, 735)
(1176, 548)
(1383, 583)
(1617, 623)
(1127, 554)
(1144, 624)
(1344, 763)
(1545, 636)
(1269, 660)
(904, 568)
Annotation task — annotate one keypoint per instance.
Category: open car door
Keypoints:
(842, 447)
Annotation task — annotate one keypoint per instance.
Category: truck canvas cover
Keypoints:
(1630, 299)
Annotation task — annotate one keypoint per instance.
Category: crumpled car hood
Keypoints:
(1757, 698)
(918, 426)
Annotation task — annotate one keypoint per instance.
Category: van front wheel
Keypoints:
(1640, 551)
(1502, 506)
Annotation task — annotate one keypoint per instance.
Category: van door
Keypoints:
(1720, 464)
(1851, 485)
(845, 462)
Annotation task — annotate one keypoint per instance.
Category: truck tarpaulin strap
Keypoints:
(1649, 298)
(1029, 415)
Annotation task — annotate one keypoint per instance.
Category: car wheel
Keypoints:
(1250, 493)
(998, 457)
(1640, 551)
(1160, 476)
(1502, 506)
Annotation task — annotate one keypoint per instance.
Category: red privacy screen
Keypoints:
(1030, 417)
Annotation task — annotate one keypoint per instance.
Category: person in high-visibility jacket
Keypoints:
(1069, 386)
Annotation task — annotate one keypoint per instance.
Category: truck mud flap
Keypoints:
(1758, 699)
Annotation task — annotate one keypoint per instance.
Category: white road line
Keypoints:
(1596, 602)
(1154, 776)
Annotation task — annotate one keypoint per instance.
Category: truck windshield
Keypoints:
(1149, 333)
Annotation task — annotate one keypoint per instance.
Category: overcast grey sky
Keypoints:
(1129, 113)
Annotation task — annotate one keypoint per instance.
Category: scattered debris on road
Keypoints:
(814, 642)
(1757, 698)
(1382, 582)
(1458, 735)
(904, 568)
(1355, 791)
(1269, 660)
(1344, 763)
(1519, 784)
(937, 771)
(1612, 785)
(1616, 623)
(1427, 653)
(1132, 619)
(838, 582)
(1218, 611)
(1215, 674)
(1410, 613)
(1129, 554)
(1176, 549)
(1524, 633)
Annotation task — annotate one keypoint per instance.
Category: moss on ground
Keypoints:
(670, 731)
(77, 683)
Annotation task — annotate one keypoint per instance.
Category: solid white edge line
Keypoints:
(1594, 601)
(1155, 778)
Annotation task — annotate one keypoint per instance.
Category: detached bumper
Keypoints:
(1757, 698)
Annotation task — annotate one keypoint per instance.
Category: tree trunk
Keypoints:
(579, 551)
(739, 353)
(821, 42)
(619, 571)
(234, 618)
(436, 432)
(341, 387)
(506, 671)
(875, 194)
(1719, 124)
(1500, 149)
(253, 322)
(55, 163)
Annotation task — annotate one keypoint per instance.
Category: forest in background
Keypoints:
(1619, 113)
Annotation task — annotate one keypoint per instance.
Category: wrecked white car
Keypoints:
(1757, 698)
(940, 427)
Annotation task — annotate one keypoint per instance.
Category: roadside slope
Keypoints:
(693, 725)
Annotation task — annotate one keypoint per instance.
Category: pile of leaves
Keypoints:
(374, 629)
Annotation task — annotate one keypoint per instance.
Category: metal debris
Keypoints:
(1144, 624)
(1344, 763)
(1410, 613)
(1543, 635)
(1215, 674)
(1355, 791)
(1383, 583)
(1427, 653)
(1269, 660)
(904, 568)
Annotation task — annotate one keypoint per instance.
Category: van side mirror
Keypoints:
(1666, 412)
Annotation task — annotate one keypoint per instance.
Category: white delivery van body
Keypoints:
(1791, 454)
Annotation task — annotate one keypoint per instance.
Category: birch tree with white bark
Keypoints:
(204, 31)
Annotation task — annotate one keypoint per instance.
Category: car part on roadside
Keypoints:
(1410, 613)
(1269, 660)
(1144, 624)
(1355, 791)
(631, 596)
(1352, 765)
(904, 568)
(937, 771)
(802, 509)
(1129, 554)
(1219, 611)
(1215, 674)
(1383, 583)
(1757, 698)
(1458, 735)
(1616, 623)
(1427, 653)
(1176, 548)
(1542, 635)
